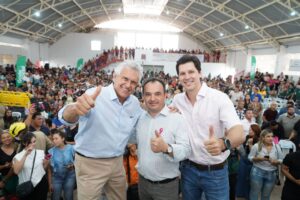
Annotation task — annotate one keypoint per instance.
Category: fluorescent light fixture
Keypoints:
(221, 34)
(10, 45)
(138, 25)
(59, 25)
(153, 7)
(246, 27)
(293, 13)
(37, 14)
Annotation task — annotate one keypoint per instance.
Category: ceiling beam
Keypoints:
(104, 8)
(263, 27)
(242, 18)
(33, 35)
(21, 17)
(180, 13)
(84, 12)
(218, 7)
(204, 21)
(63, 15)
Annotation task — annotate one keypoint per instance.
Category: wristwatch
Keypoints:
(227, 144)
(169, 150)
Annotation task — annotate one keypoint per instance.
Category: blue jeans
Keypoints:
(261, 181)
(65, 183)
(213, 183)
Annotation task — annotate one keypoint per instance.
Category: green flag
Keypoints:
(20, 70)
(79, 65)
(253, 67)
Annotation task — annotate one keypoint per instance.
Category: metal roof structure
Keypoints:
(217, 24)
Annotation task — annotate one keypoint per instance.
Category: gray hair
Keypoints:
(131, 65)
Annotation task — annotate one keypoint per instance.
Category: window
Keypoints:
(95, 45)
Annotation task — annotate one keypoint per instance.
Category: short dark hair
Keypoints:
(248, 109)
(152, 80)
(59, 132)
(188, 58)
(290, 106)
(36, 114)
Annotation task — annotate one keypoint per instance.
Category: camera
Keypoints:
(39, 107)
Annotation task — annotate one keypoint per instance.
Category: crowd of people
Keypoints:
(66, 104)
(213, 56)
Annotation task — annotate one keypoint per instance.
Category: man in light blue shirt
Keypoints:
(106, 117)
(163, 141)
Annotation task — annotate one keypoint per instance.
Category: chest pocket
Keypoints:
(128, 122)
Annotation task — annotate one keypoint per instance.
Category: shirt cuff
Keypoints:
(61, 119)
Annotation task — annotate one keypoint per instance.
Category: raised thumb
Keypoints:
(157, 133)
(96, 93)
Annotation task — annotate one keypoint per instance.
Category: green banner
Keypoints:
(20, 70)
(253, 68)
(79, 65)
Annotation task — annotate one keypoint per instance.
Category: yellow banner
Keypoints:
(18, 99)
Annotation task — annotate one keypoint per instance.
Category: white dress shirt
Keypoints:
(160, 166)
(212, 108)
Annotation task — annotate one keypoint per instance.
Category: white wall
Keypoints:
(187, 42)
(69, 48)
(270, 60)
(32, 50)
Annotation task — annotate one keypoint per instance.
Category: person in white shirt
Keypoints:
(163, 141)
(236, 95)
(248, 121)
(210, 114)
(23, 163)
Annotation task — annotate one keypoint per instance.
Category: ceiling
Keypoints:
(268, 22)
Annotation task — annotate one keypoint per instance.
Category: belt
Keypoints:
(207, 167)
(93, 157)
(168, 180)
(83, 155)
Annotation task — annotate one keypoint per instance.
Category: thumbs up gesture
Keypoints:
(86, 102)
(158, 144)
(213, 145)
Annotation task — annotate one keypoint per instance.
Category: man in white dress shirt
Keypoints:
(163, 141)
(210, 114)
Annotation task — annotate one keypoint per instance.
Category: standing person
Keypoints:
(8, 180)
(130, 161)
(243, 177)
(106, 122)
(206, 169)
(269, 115)
(266, 158)
(61, 176)
(288, 121)
(163, 141)
(291, 170)
(23, 164)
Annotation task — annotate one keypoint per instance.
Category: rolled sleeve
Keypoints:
(61, 119)
(181, 146)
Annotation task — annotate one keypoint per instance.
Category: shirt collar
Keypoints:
(164, 112)
(203, 90)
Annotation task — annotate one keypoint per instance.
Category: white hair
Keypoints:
(131, 65)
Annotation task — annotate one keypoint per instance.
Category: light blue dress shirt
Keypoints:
(105, 130)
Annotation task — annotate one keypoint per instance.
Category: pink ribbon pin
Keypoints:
(161, 130)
